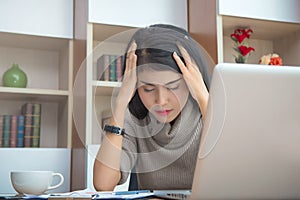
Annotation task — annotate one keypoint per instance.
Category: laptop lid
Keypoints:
(250, 146)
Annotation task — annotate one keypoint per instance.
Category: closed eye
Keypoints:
(174, 87)
(148, 88)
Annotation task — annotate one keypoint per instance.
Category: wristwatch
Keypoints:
(114, 129)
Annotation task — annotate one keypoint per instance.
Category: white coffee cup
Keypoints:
(34, 182)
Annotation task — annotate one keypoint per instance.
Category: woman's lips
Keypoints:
(163, 112)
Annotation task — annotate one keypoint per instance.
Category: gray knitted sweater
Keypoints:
(164, 155)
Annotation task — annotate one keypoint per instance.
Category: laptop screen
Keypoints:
(250, 145)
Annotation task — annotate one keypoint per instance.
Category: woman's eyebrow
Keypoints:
(168, 83)
(171, 82)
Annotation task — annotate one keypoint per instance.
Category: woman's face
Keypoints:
(164, 93)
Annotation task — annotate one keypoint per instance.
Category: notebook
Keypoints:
(250, 145)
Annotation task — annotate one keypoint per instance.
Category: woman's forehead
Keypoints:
(161, 77)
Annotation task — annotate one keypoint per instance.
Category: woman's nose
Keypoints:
(161, 96)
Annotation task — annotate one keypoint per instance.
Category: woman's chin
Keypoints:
(164, 119)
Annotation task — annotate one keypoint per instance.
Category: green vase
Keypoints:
(14, 77)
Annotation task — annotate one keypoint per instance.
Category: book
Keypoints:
(20, 131)
(36, 124)
(13, 131)
(32, 124)
(6, 131)
(112, 68)
(1, 130)
(103, 67)
(119, 69)
(27, 110)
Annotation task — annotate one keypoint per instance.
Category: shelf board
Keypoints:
(262, 29)
(31, 94)
(113, 33)
(104, 88)
(32, 42)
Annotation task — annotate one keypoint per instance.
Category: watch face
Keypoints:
(114, 129)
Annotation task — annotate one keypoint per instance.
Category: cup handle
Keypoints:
(59, 184)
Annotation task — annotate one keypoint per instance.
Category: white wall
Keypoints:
(276, 10)
(52, 18)
(138, 13)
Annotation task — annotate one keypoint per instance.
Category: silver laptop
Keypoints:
(250, 147)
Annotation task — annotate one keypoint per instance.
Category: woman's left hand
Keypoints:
(193, 78)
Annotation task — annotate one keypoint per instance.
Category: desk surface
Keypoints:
(88, 195)
(14, 197)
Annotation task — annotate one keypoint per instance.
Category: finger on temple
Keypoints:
(132, 47)
(131, 57)
(179, 62)
(185, 55)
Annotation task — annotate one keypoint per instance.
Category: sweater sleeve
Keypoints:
(129, 149)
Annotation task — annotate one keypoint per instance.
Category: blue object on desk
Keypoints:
(131, 192)
(134, 194)
(21, 197)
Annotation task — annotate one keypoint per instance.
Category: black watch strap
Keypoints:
(114, 129)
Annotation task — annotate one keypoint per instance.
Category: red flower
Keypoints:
(271, 59)
(240, 45)
(244, 50)
(275, 61)
(240, 34)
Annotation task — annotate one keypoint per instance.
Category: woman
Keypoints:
(160, 108)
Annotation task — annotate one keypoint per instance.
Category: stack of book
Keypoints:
(32, 121)
(110, 67)
(11, 130)
(21, 130)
